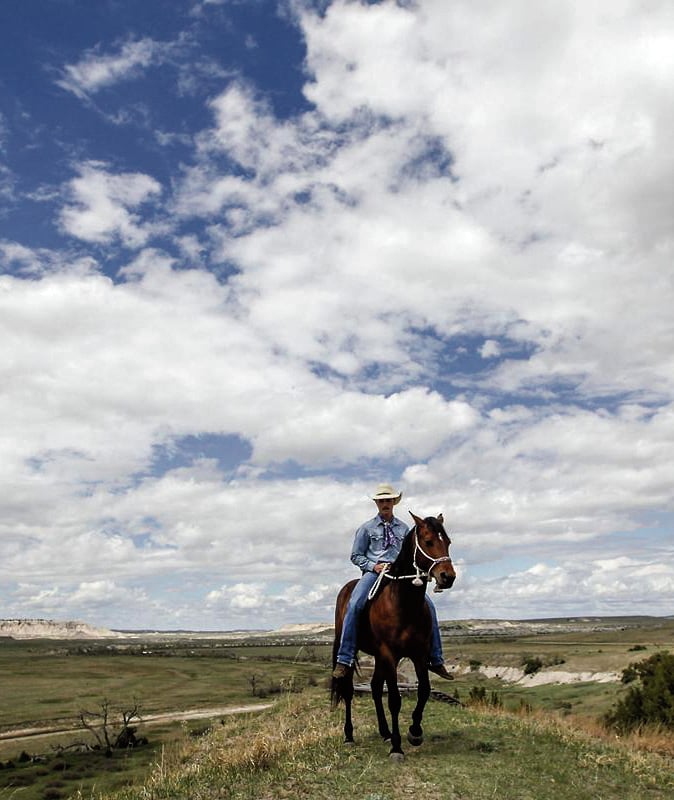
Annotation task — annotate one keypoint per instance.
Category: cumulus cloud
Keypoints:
(290, 603)
(102, 204)
(105, 600)
(619, 586)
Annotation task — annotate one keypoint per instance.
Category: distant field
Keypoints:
(586, 650)
(46, 682)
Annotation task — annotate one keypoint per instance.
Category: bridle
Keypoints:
(417, 579)
(418, 576)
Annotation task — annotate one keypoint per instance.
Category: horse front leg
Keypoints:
(394, 705)
(377, 687)
(415, 734)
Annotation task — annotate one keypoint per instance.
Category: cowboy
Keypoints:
(376, 545)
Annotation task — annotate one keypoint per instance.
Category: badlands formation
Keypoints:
(51, 629)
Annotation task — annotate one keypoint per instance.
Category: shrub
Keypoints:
(478, 696)
(651, 700)
(531, 664)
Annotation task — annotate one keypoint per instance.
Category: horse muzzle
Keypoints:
(444, 577)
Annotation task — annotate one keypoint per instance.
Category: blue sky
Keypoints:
(257, 257)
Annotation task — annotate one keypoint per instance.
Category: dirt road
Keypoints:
(147, 719)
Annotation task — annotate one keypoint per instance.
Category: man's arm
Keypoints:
(361, 544)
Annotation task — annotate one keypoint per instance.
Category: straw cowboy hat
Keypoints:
(386, 492)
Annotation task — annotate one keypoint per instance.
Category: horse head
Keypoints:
(432, 550)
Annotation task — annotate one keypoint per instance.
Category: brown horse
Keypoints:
(396, 624)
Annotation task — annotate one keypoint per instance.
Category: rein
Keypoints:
(419, 574)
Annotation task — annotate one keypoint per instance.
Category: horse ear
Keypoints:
(440, 518)
(418, 520)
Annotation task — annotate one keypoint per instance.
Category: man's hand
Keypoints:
(380, 566)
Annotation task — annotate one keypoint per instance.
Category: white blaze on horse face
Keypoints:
(442, 570)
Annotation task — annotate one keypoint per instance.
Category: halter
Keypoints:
(419, 574)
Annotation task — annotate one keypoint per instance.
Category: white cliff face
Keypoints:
(543, 676)
(52, 629)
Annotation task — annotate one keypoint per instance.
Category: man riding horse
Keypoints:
(376, 545)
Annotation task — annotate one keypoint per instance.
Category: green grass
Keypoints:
(61, 775)
(296, 750)
(588, 699)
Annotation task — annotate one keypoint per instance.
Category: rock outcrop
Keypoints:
(52, 629)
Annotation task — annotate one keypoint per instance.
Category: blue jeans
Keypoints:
(347, 646)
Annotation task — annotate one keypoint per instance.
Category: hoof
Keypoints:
(396, 757)
(415, 741)
(349, 743)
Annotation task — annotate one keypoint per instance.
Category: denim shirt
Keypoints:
(368, 544)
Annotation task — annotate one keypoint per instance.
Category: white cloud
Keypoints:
(105, 600)
(490, 252)
(289, 604)
(101, 206)
(96, 374)
(537, 482)
(490, 349)
(620, 586)
(96, 71)
(17, 258)
(414, 423)
(7, 183)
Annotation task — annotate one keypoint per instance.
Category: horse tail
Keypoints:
(341, 689)
(335, 694)
(338, 691)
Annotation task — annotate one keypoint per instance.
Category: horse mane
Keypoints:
(405, 560)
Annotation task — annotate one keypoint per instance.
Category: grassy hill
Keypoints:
(296, 750)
